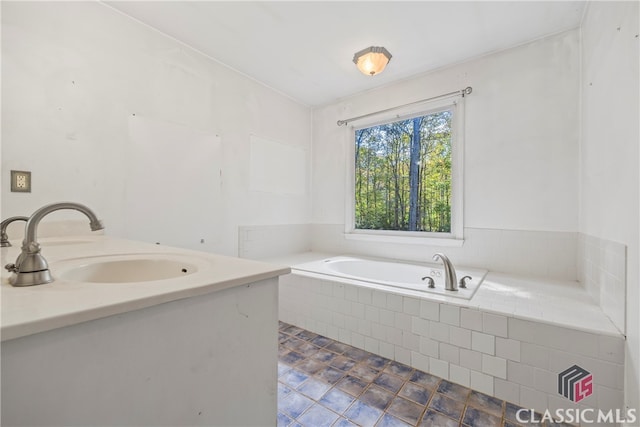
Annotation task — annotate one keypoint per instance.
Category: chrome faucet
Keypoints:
(450, 280)
(30, 267)
(4, 239)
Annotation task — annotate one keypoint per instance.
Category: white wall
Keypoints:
(152, 135)
(521, 155)
(609, 154)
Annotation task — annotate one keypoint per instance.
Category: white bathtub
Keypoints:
(394, 274)
(511, 325)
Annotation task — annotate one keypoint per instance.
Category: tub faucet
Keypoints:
(450, 280)
(4, 239)
(30, 267)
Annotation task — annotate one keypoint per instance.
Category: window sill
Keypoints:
(411, 240)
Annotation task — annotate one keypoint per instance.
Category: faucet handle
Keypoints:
(463, 281)
(11, 267)
(432, 284)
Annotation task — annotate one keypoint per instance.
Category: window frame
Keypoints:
(456, 236)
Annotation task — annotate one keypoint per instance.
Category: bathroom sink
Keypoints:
(127, 268)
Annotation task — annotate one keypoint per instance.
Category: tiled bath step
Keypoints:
(322, 382)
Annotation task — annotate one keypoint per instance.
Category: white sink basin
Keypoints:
(127, 268)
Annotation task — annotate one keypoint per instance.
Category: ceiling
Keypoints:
(304, 49)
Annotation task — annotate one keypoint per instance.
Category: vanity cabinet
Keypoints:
(207, 360)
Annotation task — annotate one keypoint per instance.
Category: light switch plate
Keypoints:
(21, 181)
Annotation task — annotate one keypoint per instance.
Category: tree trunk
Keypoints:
(414, 175)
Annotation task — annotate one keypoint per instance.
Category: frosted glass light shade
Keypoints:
(372, 60)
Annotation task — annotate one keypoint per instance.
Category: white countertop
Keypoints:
(34, 309)
(558, 302)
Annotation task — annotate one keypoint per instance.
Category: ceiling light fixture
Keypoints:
(372, 60)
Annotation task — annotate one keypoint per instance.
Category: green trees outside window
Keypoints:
(403, 175)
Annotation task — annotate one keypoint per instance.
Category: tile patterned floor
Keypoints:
(322, 382)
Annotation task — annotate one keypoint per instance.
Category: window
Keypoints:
(406, 176)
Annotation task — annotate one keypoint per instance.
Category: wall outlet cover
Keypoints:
(21, 181)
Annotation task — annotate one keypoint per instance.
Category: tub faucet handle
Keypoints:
(463, 281)
(429, 279)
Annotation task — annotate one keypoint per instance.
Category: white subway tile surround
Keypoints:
(511, 340)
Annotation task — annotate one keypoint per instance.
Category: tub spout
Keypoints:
(4, 239)
(450, 280)
(30, 267)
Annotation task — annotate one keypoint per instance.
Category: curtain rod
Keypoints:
(463, 92)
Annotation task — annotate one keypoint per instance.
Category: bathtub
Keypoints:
(510, 339)
(394, 275)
